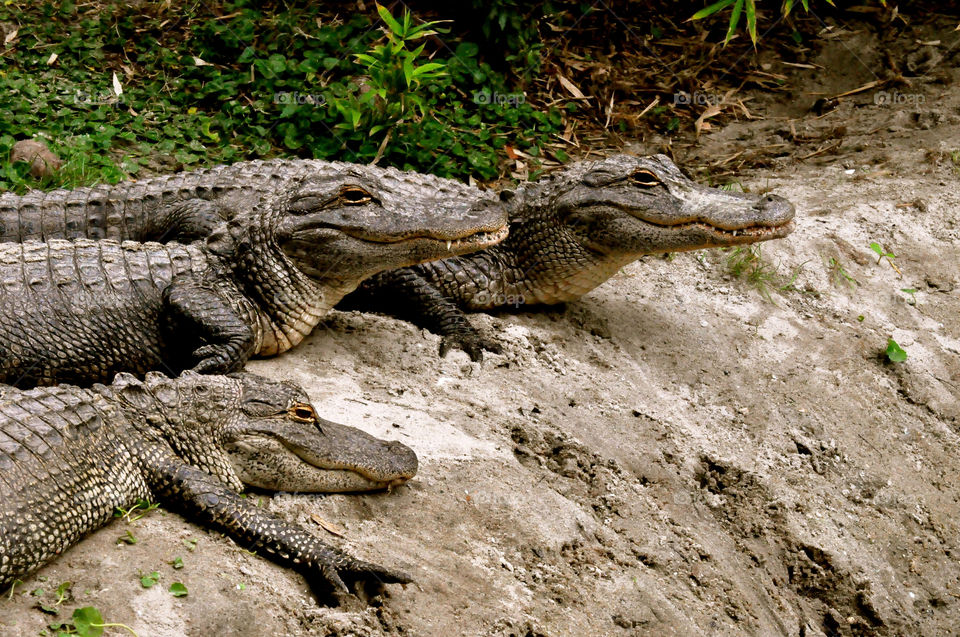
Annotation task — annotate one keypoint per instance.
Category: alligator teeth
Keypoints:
(734, 233)
(448, 245)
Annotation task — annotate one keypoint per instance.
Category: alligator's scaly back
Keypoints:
(570, 232)
(187, 206)
(70, 456)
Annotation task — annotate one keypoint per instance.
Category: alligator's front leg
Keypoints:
(411, 296)
(205, 314)
(207, 500)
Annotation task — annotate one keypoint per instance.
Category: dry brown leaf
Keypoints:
(701, 123)
(571, 88)
(329, 527)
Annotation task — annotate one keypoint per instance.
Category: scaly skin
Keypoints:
(82, 311)
(188, 206)
(569, 233)
(70, 456)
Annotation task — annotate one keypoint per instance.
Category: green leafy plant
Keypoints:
(839, 275)
(147, 581)
(881, 253)
(85, 622)
(895, 353)
(177, 589)
(203, 85)
(137, 511)
(127, 538)
(394, 76)
(748, 9)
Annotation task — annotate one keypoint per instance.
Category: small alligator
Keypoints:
(69, 457)
(570, 232)
(187, 206)
(81, 311)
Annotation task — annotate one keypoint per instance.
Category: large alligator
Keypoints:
(570, 232)
(70, 456)
(81, 311)
(187, 206)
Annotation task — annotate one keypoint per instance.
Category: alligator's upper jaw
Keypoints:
(332, 459)
(334, 255)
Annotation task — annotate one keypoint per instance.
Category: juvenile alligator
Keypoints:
(82, 311)
(187, 206)
(570, 232)
(70, 456)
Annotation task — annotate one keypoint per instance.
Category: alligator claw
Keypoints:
(470, 342)
(213, 360)
(342, 575)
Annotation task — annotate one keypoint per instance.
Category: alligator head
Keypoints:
(352, 223)
(639, 205)
(267, 434)
(285, 446)
(302, 248)
(577, 227)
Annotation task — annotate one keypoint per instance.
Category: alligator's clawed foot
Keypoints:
(472, 342)
(215, 359)
(338, 578)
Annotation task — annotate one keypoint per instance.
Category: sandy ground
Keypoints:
(675, 454)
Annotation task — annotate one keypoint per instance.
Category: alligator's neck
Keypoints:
(540, 262)
(288, 303)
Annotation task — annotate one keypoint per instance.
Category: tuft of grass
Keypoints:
(839, 276)
(747, 262)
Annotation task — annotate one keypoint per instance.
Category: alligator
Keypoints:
(187, 206)
(69, 457)
(81, 311)
(570, 232)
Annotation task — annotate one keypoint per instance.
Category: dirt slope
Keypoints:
(674, 454)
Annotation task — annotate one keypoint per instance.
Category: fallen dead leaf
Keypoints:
(571, 88)
(329, 527)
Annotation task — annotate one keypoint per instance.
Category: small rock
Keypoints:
(43, 163)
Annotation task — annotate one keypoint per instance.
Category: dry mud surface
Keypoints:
(675, 454)
(671, 455)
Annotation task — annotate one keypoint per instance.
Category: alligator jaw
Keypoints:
(330, 458)
(454, 245)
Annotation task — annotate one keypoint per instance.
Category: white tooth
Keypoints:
(448, 246)
(734, 233)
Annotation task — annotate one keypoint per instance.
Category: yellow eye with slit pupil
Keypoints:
(354, 195)
(644, 178)
(303, 412)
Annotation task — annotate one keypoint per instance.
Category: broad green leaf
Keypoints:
(895, 353)
(734, 21)
(178, 590)
(389, 19)
(752, 20)
(88, 621)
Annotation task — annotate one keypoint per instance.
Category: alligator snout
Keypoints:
(775, 210)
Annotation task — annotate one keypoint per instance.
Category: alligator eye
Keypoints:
(354, 196)
(644, 179)
(303, 412)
